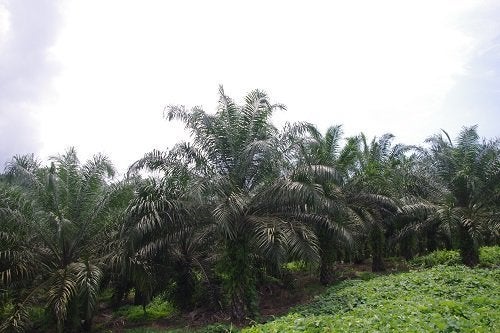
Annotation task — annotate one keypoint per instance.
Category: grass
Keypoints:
(439, 299)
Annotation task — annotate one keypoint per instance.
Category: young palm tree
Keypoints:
(416, 228)
(375, 194)
(168, 230)
(470, 172)
(51, 223)
(323, 153)
(361, 193)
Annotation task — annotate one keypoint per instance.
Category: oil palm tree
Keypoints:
(168, 228)
(415, 227)
(323, 152)
(469, 170)
(361, 193)
(52, 219)
(374, 192)
(239, 155)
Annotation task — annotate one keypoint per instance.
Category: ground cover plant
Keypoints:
(439, 299)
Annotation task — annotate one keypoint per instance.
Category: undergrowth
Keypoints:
(489, 256)
(157, 309)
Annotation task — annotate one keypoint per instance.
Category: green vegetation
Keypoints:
(240, 207)
(440, 299)
(157, 309)
(489, 256)
(440, 257)
(214, 328)
(295, 266)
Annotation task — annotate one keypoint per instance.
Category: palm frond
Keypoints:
(17, 321)
(88, 279)
(62, 290)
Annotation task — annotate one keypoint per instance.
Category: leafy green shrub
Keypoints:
(296, 266)
(155, 310)
(440, 257)
(439, 299)
(489, 256)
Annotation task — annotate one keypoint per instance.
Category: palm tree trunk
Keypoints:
(185, 286)
(138, 297)
(238, 309)
(469, 250)
(407, 247)
(119, 293)
(377, 243)
(327, 257)
(241, 280)
(431, 239)
(327, 273)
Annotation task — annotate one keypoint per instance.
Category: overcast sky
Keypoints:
(97, 74)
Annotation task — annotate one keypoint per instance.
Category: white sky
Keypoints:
(405, 67)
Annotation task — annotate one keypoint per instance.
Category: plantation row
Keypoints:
(209, 221)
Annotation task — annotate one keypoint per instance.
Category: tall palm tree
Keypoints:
(238, 153)
(52, 221)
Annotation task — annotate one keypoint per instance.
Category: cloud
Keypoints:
(27, 31)
(475, 98)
